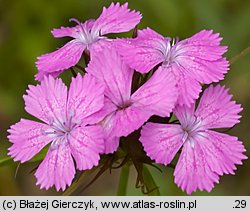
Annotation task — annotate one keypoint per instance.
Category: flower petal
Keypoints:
(86, 97)
(192, 171)
(212, 154)
(27, 138)
(128, 120)
(205, 71)
(125, 121)
(116, 18)
(144, 52)
(188, 87)
(108, 113)
(185, 114)
(158, 95)
(204, 45)
(111, 144)
(58, 61)
(86, 144)
(57, 169)
(98, 46)
(222, 151)
(216, 109)
(47, 101)
(201, 56)
(108, 67)
(72, 31)
(161, 142)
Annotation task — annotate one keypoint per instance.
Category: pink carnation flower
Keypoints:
(205, 154)
(65, 115)
(192, 61)
(125, 112)
(87, 35)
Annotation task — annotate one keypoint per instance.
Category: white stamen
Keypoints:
(190, 129)
(170, 50)
(60, 129)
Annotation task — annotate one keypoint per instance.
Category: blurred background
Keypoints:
(25, 27)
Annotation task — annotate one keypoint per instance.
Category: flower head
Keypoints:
(124, 112)
(88, 35)
(195, 60)
(66, 125)
(205, 154)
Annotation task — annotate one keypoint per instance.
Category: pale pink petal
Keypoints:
(144, 52)
(116, 18)
(57, 169)
(108, 108)
(41, 75)
(201, 56)
(216, 109)
(129, 119)
(158, 95)
(161, 142)
(192, 171)
(222, 151)
(185, 114)
(108, 113)
(72, 31)
(98, 46)
(151, 34)
(205, 71)
(189, 88)
(27, 138)
(109, 68)
(59, 60)
(111, 144)
(204, 45)
(124, 121)
(47, 101)
(86, 144)
(86, 97)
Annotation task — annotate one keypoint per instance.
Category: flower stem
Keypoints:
(123, 182)
(241, 54)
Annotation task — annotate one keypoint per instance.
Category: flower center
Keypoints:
(170, 50)
(86, 37)
(190, 129)
(85, 34)
(125, 105)
(60, 129)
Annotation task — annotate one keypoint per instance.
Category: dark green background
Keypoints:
(25, 34)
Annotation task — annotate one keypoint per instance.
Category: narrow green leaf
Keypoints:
(150, 183)
(6, 161)
(123, 182)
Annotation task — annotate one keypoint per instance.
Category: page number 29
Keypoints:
(240, 203)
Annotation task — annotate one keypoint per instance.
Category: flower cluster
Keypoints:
(125, 83)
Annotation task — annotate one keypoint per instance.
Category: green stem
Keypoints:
(241, 54)
(5, 161)
(122, 187)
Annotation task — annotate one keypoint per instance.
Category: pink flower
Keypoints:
(125, 112)
(192, 61)
(205, 154)
(87, 35)
(65, 115)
